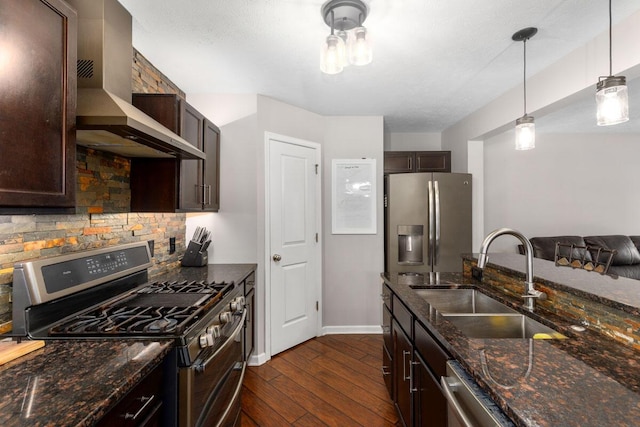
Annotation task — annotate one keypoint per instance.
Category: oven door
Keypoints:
(209, 392)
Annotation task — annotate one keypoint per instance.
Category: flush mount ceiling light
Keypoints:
(612, 95)
(525, 126)
(352, 43)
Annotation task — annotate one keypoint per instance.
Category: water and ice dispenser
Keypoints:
(410, 244)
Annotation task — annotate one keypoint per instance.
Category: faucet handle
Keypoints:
(535, 294)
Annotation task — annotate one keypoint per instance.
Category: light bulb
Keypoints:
(360, 51)
(612, 100)
(525, 133)
(333, 55)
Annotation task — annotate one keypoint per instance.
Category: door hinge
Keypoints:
(316, 237)
(317, 306)
(386, 201)
(316, 169)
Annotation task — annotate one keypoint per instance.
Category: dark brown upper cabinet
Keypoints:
(417, 161)
(169, 185)
(38, 42)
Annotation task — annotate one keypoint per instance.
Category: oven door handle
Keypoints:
(239, 366)
(201, 366)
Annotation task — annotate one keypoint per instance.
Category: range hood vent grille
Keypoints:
(85, 69)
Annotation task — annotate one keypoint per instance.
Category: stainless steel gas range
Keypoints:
(106, 294)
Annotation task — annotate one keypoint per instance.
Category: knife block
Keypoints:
(194, 256)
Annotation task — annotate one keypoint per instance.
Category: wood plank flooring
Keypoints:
(334, 380)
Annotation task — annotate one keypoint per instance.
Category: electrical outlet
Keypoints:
(172, 245)
(151, 244)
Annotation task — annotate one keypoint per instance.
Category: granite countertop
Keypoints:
(585, 380)
(76, 382)
(73, 383)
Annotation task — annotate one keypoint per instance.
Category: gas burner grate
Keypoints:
(184, 287)
(128, 321)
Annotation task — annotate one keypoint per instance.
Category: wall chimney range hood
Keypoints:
(105, 118)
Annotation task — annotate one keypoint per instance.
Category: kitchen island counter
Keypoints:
(585, 380)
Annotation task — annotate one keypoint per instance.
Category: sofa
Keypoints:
(625, 261)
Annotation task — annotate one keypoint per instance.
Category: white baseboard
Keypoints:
(257, 359)
(362, 329)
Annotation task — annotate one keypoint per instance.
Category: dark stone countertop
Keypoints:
(76, 382)
(73, 383)
(586, 380)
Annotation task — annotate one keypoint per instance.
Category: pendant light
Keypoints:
(525, 126)
(612, 95)
(347, 46)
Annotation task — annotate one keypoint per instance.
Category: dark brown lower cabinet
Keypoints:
(418, 362)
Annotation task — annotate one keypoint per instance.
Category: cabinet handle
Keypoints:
(385, 370)
(385, 297)
(147, 401)
(412, 389)
(207, 200)
(404, 365)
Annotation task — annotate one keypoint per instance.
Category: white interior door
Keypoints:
(294, 212)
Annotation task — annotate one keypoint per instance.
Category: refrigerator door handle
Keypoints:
(436, 243)
(430, 242)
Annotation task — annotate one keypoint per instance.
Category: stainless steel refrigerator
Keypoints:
(427, 221)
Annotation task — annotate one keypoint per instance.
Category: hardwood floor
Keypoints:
(335, 380)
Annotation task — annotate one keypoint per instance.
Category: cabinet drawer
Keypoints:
(429, 349)
(403, 316)
(141, 406)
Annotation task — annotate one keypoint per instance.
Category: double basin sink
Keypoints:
(477, 315)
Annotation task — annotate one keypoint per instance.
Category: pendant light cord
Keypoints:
(610, 49)
(525, 75)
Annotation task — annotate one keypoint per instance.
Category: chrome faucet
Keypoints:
(530, 292)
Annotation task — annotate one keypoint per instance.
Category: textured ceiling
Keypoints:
(435, 61)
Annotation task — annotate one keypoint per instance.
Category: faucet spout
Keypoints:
(530, 292)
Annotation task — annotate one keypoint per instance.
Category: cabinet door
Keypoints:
(399, 161)
(211, 167)
(38, 105)
(430, 405)
(402, 373)
(433, 161)
(249, 325)
(191, 183)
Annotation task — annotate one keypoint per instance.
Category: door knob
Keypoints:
(276, 257)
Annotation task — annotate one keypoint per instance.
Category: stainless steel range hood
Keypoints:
(105, 118)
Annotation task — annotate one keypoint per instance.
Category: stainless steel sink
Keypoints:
(501, 326)
(462, 301)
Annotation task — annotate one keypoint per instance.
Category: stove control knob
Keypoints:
(214, 331)
(204, 342)
(237, 304)
(225, 317)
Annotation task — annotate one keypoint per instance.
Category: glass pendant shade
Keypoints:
(333, 55)
(612, 101)
(525, 133)
(359, 47)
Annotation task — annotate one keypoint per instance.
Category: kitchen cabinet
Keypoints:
(38, 104)
(187, 185)
(418, 363)
(417, 161)
(387, 340)
(141, 407)
(249, 330)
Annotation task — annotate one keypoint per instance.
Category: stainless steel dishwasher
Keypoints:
(468, 405)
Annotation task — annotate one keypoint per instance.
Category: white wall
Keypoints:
(352, 263)
(570, 184)
(412, 141)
